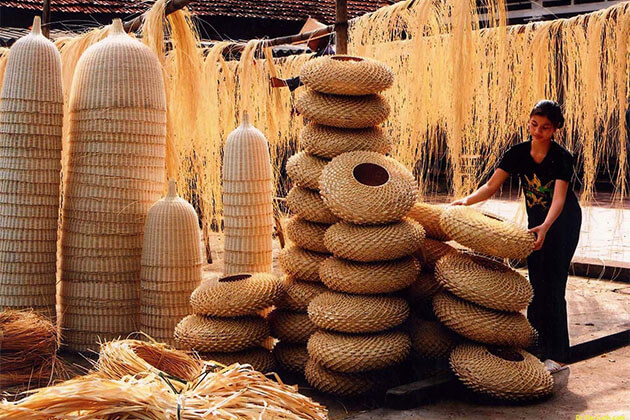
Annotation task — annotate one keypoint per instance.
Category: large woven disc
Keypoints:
(341, 384)
(368, 278)
(307, 235)
(357, 313)
(291, 357)
(374, 243)
(207, 334)
(291, 327)
(484, 282)
(481, 324)
(236, 295)
(259, 358)
(298, 294)
(343, 111)
(367, 188)
(508, 374)
(309, 206)
(353, 353)
(486, 234)
(301, 263)
(305, 169)
(431, 339)
(428, 215)
(424, 286)
(328, 142)
(431, 251)
(346, 75)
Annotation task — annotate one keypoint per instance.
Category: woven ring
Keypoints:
(428, 215)
(367, 188)
(298, 294)
(300, 263)
(307, 235)
(291, 327)
(329, 142)
(424, 286)
(258, 358)
(430, 339)
(206, 334)
(305, 169)
(309, 206)
(341, 384)
(291, 357)
(431, 251)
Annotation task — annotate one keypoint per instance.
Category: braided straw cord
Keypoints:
(506, 374)
(307, 235)
(341, 384)
(431, 251)
(300, 263)
(291, 327)
(430, 339)
(309, 205)
(424, 286)
(368, 278)
(329, 142)
(374, 243)
(428, 215)
(483, 325)
(305, 169)
(291, 357)
(258, 358)
(298, 294)
(367, 188)
(207, 334)
(358, 352)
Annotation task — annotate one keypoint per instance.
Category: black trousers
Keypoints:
(548, 273)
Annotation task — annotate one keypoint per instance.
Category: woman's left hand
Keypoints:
(540, 232)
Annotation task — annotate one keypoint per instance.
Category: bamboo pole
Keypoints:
(46, 19)
(341, 26)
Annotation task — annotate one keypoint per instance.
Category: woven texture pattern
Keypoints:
(357, 314)
(306, 169)
(206, 334)
(343, 111)
(117, 108)
(374, 243)
(298, 294)
(431, 251)
(428, 215)
(236, 295)
(424, 286)
(485, 234)
(309, 206)
(291, 357)
(484, 282)
(329, 142)
(29, 176)
(300, 263)
(259, 358)
(341, 384)
(368, 278)
(481, 324)
(512, 374)
(358, 352)
(291, 327)
(430, 339)
(346, 75)
(307, 235)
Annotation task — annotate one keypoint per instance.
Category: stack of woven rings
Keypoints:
(226, 325)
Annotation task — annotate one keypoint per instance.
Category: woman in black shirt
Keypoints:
(545, 170)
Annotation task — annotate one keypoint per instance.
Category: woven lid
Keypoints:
(431, 251)
(341, 384)
(307, 235)
(298, 294)
(367, 188)
(428, 215)
(328, 142)
(291, 357)
(291, 327)
(246, 154)
(430, 339)
(259, 359)
(424, 286)
(300, 263)
(305, 170)
(309, 205)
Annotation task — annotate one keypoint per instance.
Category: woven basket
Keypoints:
(374, 243)
(329, 142)
(291, 327)
(428, 215)
(484, 282)
(343, 111)
(358, 353)
(305, 170)
(485, 234)
(251, 188)
(341, 384)
(236, 295)
(291, 357)
(431, 251)
(424, 286)
(430, 339)
(259, 359)
(481, 324)
(246, 156)
(307, 235)
(298, 294)
(357, 314)
(367, 188)
(368, 278)
(506, 374)
(309, 206)
(300, 263)
(346, 75)
(207, 334)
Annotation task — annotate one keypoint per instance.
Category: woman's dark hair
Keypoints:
(551, 110)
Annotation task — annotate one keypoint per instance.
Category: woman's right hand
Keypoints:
(460, 202)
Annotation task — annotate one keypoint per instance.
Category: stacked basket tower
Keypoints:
(31, 114)
(115, 173)
(371, 243)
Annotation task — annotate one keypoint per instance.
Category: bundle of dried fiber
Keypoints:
(235, 392)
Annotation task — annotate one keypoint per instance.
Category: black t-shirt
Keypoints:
(538, 179)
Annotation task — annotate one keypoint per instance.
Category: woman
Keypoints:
(545, 169)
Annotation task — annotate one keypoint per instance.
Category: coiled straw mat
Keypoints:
(357, 313)
(291, 357)
(341, 384)
(307, 235)
(424, 286)
(483, 325)
(291, 327)
(367, 188)
(428, 215)
(343, 111)
(309, 206)
(351, 353)
(236, 295)
(431, 251)
(305, 169)
(220, 334)
(368, 278)
(503, 373)
(484, 282)
(258, 358)
(298, 294)
(485, 234)
(300, 263)
(374, 243)
(430, 339)
(329, 142)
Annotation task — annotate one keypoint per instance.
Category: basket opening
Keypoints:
(370, 174)
(506, 354)
(346, 58)
(235, 277)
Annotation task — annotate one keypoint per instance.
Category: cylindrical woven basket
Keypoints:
(329, 142)
(291, 327)
(309, 205)
(259, 359)
(431, 251)
(307, 235)
(428, 215)
(341, 384)
(306, 169)
(300, 263)
(207, 334)
(298, 294)
(291, 357)
(430, 339)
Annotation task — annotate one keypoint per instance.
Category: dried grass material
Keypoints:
(26, 336)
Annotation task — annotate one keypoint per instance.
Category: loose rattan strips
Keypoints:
(117, 109)
(30, 162)
(247, 201)
(171, 265)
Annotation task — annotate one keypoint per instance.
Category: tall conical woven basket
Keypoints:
(29, 173)
(171, 265)
(117, 104)
(247, 200)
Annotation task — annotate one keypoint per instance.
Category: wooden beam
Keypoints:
(171, 7)
(341, 27)
(46, 19)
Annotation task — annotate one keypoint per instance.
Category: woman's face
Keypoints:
(540, 128)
